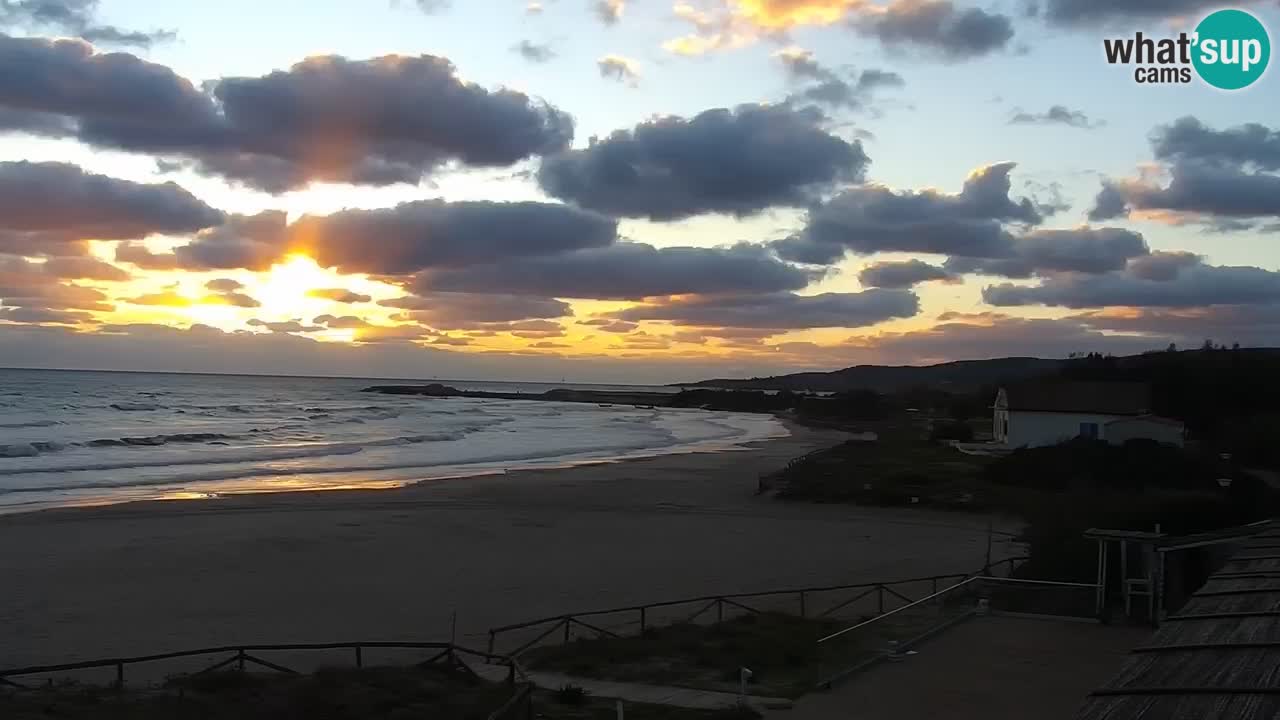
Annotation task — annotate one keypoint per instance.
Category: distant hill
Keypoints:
(958, 376)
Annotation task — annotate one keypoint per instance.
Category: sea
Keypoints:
(71, 438)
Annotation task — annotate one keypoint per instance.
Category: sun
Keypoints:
(284, 290)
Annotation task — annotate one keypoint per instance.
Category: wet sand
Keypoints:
(397, 564)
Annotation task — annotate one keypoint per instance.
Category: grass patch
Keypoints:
(781, 650)
(902, 468)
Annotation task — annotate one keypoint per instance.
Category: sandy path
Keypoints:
(147, 577)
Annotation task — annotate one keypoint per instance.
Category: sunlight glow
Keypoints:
(284, 290)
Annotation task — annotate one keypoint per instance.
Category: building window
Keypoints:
(1089, 430)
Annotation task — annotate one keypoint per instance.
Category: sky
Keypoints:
(628, 191)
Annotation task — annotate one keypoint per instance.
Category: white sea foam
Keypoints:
(67, 441)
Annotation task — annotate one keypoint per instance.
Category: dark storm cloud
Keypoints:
(631, 270)
(72, 17)
(901, 274)
(381, 121)
(63, 201)
(1103, 12)
(1191, 285)
(1251, 145)
(736, 162)
(823, 86)
(534, 52)
(874, 218)
(460, 310)
(781, 310)
(1056, 115)
(1041, 252)
(936, 27)
(1110, 203)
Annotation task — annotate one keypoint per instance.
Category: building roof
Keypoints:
(1100, 398)
(1219, 657)
(1154, 419)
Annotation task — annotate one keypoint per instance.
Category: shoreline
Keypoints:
(193, 492)
(151, 576)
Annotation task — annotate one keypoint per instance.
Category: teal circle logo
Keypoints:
(1232, 49)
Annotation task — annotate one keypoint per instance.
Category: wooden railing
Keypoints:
(888, 595)
(240, 656)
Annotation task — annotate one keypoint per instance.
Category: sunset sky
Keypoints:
(619, 191)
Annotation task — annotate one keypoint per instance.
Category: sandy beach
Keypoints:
(397, 564)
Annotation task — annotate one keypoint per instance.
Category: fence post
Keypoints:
(359, 656)
(802, 613)
(880, 598)
(240, 660)
(642, 621)
(567, 622)
(719, 610)
(120, 676)
(934, 583)
(491, 641)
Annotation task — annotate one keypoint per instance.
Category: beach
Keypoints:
(397, 564)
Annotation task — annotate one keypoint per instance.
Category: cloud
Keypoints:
(901, 274)
(344, 322)
(36, 285)
(164, 298)
(463, 310)
(1250, 325)
(609, 325)
(1214, 177)
(224, 285)
(823, 86)
(61, 202)
(610, 11)
(1056, 115)
(1252, 145)
(935, 27)
(736, 162)
(73, 17)
(432, 7)
(1046, 252)
(1188, 284)
(341, 295)
(932, 27)
(433, 233)
(1106, 12)
(83, 268)
(399, 240)
(533, 8)
(1198, 191)
(288, 326)
(619, 68)
(629, 271)
(236, 299)
(1162, 266)
(386, 120)
(988, 335)
(534, 52)
(874, 218)
(42, 316)
(780, 310)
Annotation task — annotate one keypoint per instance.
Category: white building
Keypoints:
(1048, 413)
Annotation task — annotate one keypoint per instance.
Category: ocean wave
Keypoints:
(154, 440)
(29, 424)
(135, 406)
(31, 449)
